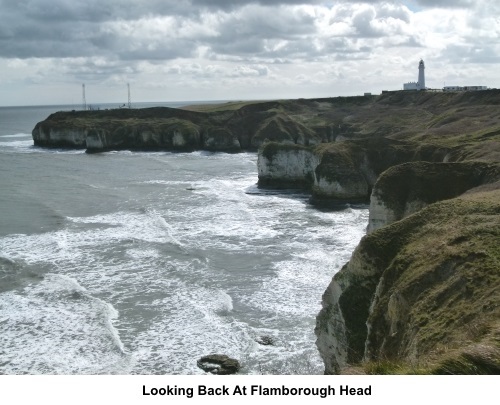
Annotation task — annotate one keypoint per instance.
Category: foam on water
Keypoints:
(20, 135)
(196, 261)
(57, 327)
(23, 145)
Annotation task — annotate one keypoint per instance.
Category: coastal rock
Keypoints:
(172, 134)
(54, 136)
(339, 176)
(265, 340)
(413, 286)
(162, 128)
(286, 166)
(219, 364)
(283, 129)
(336, 173)
(405, 189)
(341, 324)
(220, 139)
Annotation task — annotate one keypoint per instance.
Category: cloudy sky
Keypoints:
(184, 50)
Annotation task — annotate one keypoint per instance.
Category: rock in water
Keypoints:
(219, 364)
(265, 340)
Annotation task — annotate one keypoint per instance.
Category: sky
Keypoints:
(190, 50)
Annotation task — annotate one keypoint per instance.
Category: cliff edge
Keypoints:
(421, 294)
(161, 128)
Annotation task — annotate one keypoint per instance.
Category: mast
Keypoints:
(129, 100)
(84, 100)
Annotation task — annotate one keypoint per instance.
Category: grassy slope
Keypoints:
(455, 319)
(468, 123)
(443, 263)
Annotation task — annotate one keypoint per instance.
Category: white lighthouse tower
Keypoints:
(420, 85)
(421, 75)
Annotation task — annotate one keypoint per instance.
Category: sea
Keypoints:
(143, 262)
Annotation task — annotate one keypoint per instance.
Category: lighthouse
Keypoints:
(420, 85)
(421, 75)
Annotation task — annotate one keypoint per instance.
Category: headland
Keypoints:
(421, 291)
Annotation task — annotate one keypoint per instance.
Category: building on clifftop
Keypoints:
(420, 85)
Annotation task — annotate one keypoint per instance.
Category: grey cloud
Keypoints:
(393, 11)
(100, 10)
(447, 3)
(252, 32)
(162, 51)
(249, 71)
(362, 22)
(484, 53)
(249, 29)
(372, 22)
(69, 28)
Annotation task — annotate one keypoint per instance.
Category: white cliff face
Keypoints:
(288, 165)
(333, 325)
(150, 138)
(330, 331)
(334, 189)
(95, 141)
(284, 164)
(381, 214)
(221, 139)
(56, 137)
(178, 139)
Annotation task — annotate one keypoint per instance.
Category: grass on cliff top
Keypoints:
(218, 107)
(445, 261)
(111, 124)
(481, 358)
(270, 149)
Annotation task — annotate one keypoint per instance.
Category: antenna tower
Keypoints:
(129, 100)
(84, 101)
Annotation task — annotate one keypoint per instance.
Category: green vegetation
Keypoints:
(215, 108)
(428, 182)
(428, 284)
(270, 149)
(434, 275)
(467, 126)
(437, 289)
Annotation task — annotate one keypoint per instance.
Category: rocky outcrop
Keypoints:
(340, 172)
(404, 189)
(164, 128)
(341, 324)
(286, 166)
(285, 130)
(219, 364)
(421, 292)
(343, 174)
(48, 135)
(220, 139)
(425, 119)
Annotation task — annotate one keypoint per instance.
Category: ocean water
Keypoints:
(141, 263)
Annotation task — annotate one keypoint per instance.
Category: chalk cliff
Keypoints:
(340, 172)
(404, 189)
(420, 294)
(162, 128)
(284, 166)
